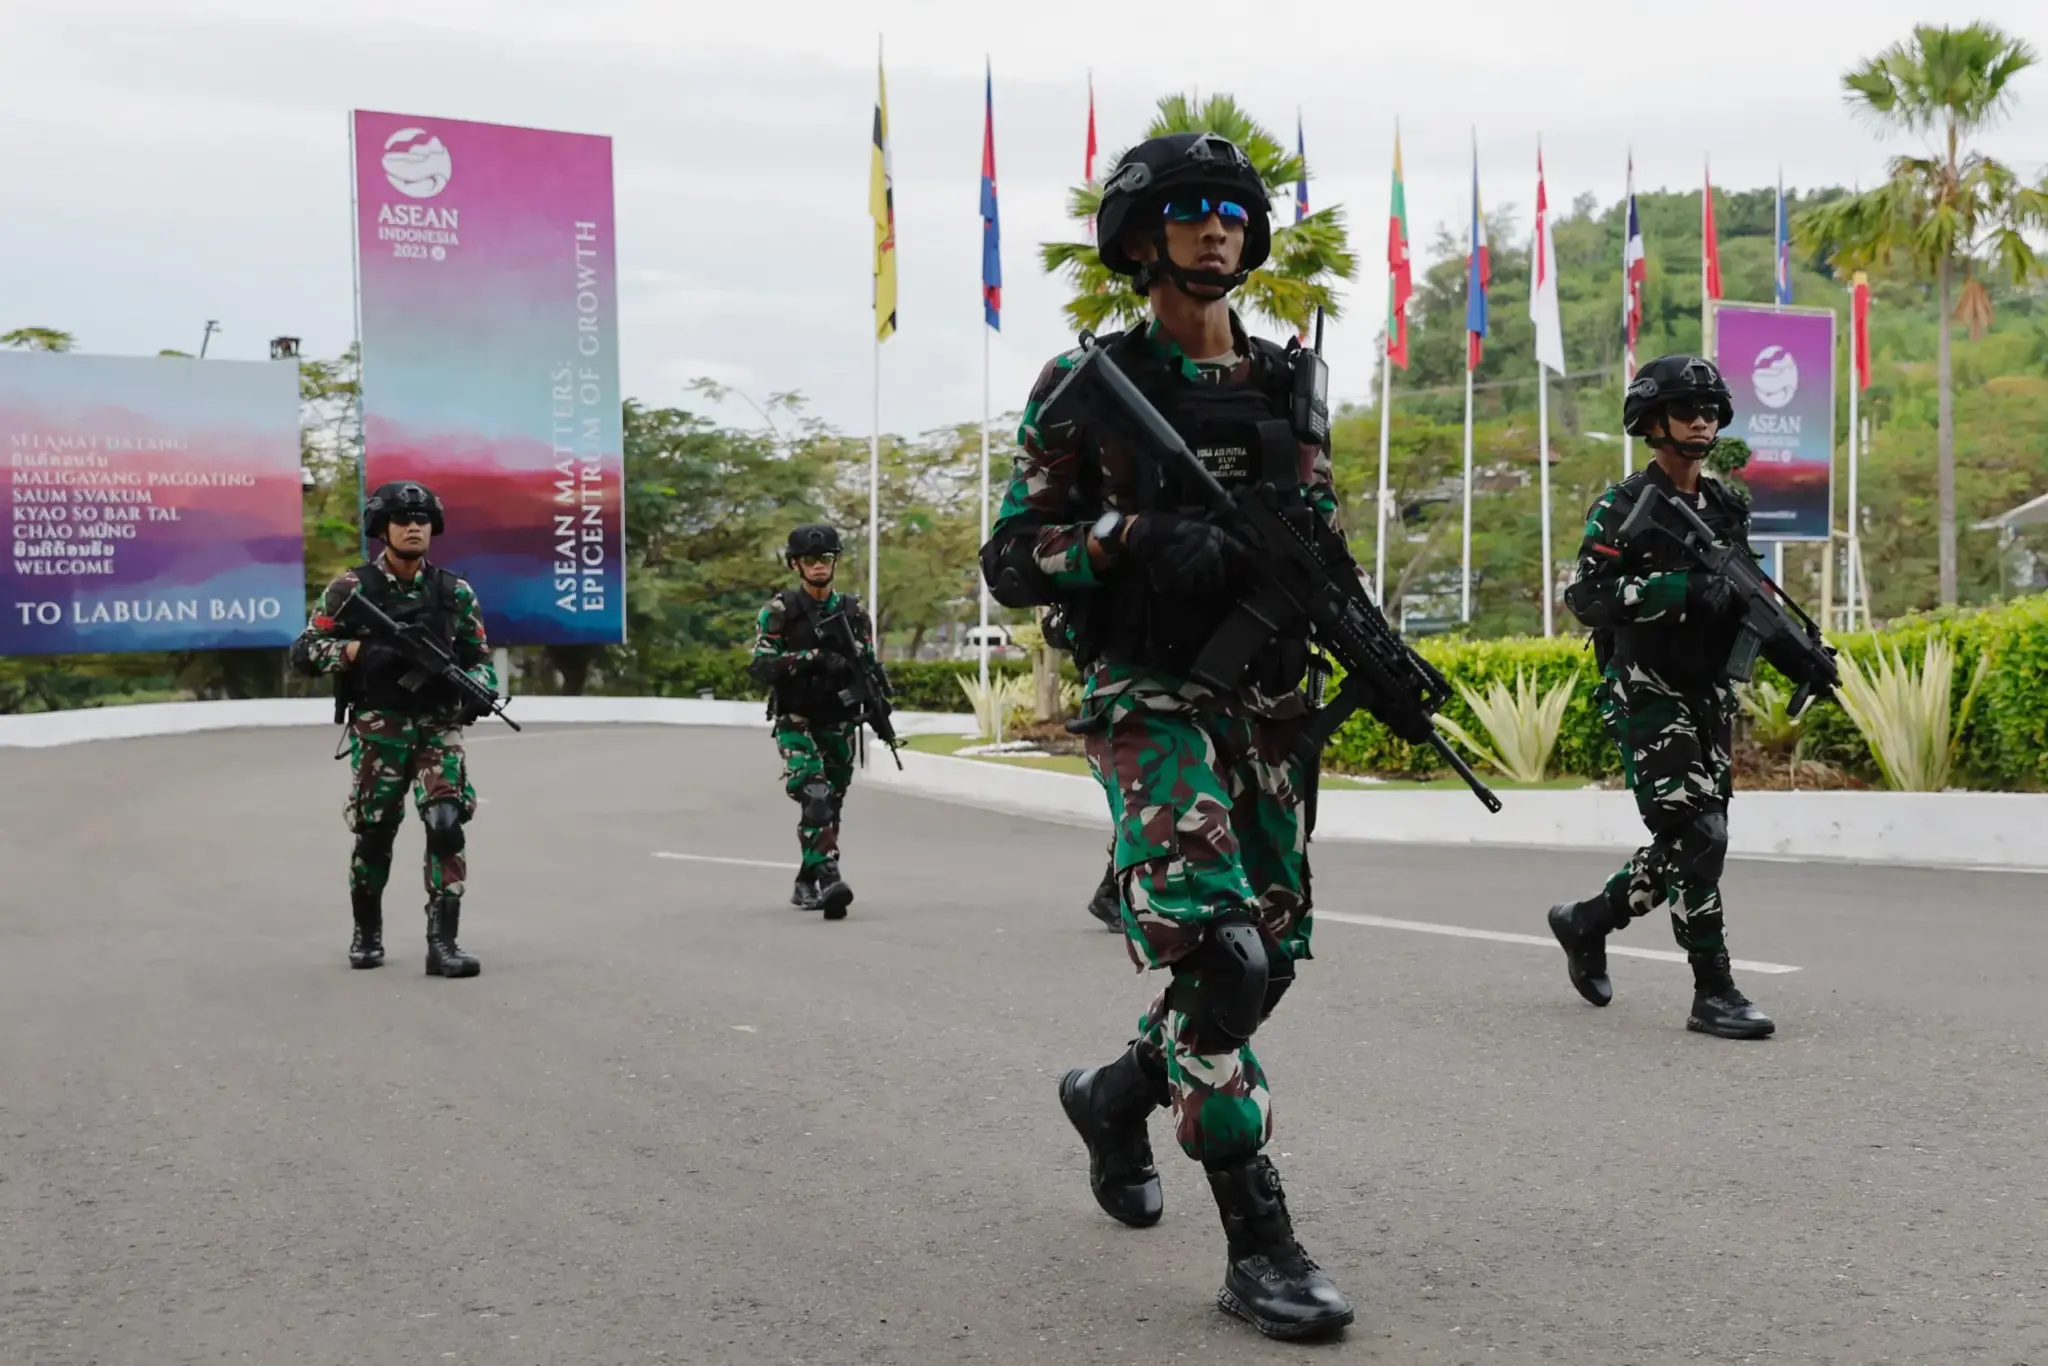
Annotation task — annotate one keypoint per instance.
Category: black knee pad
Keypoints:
(374, 844)
(1696, 850)
(443, 820)
(816, 796)
(1221, 988)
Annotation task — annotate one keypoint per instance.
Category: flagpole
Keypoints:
(984, 506)
(1379, 569)
(1466, 602)
(1543, 471)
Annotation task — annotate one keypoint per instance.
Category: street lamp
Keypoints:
(212, 326)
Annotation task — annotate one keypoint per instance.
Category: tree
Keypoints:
(1308, 258)
(38, 339)
(1955, 213)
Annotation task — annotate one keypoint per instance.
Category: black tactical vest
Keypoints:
(811, 695)
(1685, 654)
(1241, 435)
(377, 688)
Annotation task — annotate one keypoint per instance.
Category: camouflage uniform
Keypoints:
(1205, 791)
(1666, 702)
(813, 732)
(393, 751)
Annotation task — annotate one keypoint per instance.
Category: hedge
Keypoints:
(2005, 746)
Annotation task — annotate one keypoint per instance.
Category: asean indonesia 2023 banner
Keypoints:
(151, 504)
(1780, 367)
(490, 360)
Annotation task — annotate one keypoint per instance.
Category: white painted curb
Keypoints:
(1989, 830)
(43, 729)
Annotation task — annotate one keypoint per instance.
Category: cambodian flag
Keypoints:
(991, 219)
(1478, 275)
(1301, 185)
(1635, 271)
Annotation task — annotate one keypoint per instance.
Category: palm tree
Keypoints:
(37, 339)
(1956, 213)
(1308, 257)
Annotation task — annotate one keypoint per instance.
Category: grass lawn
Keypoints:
(1074, 763)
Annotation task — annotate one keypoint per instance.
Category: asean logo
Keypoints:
(1775, 377)
(416, 163)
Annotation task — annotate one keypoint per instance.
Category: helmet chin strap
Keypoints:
(1163, 265)
(1688, 450)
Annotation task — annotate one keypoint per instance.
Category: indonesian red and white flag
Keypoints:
(1543, 310)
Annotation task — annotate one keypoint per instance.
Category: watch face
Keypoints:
(1106, 525)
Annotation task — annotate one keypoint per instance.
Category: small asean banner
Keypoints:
(150, 504)
(1780, 368)
(484, 256)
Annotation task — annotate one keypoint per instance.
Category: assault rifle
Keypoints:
(1297, 583)
(866, 693)
(1772, 624)
(428, 661)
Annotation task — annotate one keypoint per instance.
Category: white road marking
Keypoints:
(1538, 940)
(713, 858)
(1379, 922)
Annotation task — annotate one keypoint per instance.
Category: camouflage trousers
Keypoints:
(811, 752)
(389, 753)
(1674, 756)
(1209, 822)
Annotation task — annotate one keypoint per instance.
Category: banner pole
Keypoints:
(355, 252)
(1853, 568)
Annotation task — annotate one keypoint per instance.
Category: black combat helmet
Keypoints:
(812, 538)
(400, 495)
(1667, 380)
(1181, 163)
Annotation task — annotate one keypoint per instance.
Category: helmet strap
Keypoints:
(1162, 266)
(1686, 450)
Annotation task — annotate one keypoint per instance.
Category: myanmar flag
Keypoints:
(1400, 273)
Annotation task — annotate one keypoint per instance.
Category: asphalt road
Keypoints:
(676, 1120)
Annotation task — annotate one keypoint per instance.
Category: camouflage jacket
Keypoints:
(1043, 501)
(319, 648)
(1633, 595)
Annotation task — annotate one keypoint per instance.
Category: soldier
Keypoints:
(1205, 788)
(398, 737)
(801, 656)
(1662, 634)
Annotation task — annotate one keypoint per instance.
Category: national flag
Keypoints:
(1859, 326)
(1301, 185)
(991, 221)
(1400, 270)
(1710, 244)
(1635, 270)
(1784, 248)
(882, 209)
(1478, 273)
(1088, 165)
(1543, 308)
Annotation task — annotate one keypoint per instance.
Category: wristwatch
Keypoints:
(1105, 532)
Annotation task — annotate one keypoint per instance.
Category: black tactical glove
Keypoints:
(1185, 556)
(1710, 596)
(376, 656)
(832, 664)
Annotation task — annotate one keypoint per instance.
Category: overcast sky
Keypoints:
(170, 161)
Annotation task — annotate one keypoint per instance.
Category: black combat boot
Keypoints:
(366, 948)
(804, 895)
(1107, 905)
(1271, 1283)
(1109, 1106)
(445, 957)
(1582, 928)
(834, 896)
(1717, 1007)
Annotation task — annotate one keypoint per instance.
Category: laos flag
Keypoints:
(991, 221)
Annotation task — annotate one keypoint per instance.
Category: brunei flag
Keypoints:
(882, 208)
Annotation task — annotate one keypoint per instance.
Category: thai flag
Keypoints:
(1635, 270)
(1301, 185)
(1478, 275)
(991, 220)
(1784, 250)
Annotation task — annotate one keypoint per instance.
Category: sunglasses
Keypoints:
(1689, 410)
(1195, 208)
(809, 560)
(410, 519)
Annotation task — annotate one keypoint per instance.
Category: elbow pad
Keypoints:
(1012, 573)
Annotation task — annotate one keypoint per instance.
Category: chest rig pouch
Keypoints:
(432, 608)
(1245, 438)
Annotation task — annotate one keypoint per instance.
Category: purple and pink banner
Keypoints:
(150, 503)
(490, 360)
(1780, 368)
